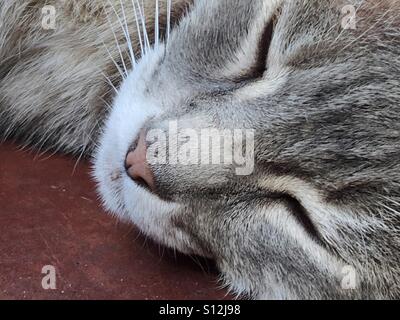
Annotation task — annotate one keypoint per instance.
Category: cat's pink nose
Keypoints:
(137, 166)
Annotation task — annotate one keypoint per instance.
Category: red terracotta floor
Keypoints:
(50, 215)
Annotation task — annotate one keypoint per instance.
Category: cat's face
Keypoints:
(294, 206)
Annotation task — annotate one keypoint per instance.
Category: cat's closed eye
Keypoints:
(262, 48)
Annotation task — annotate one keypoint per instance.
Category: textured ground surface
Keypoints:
(49, 215)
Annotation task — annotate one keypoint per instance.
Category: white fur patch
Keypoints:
(120, 194)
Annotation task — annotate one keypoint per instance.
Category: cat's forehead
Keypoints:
(215, 36)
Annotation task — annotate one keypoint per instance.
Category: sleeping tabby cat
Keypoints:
(315, 82)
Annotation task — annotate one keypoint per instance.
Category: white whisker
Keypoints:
(143, 20)
(157, 26)
(169, 8)
(116, 40)
(109, 82)
(121, 72)
(138, 28)
(127, 35)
